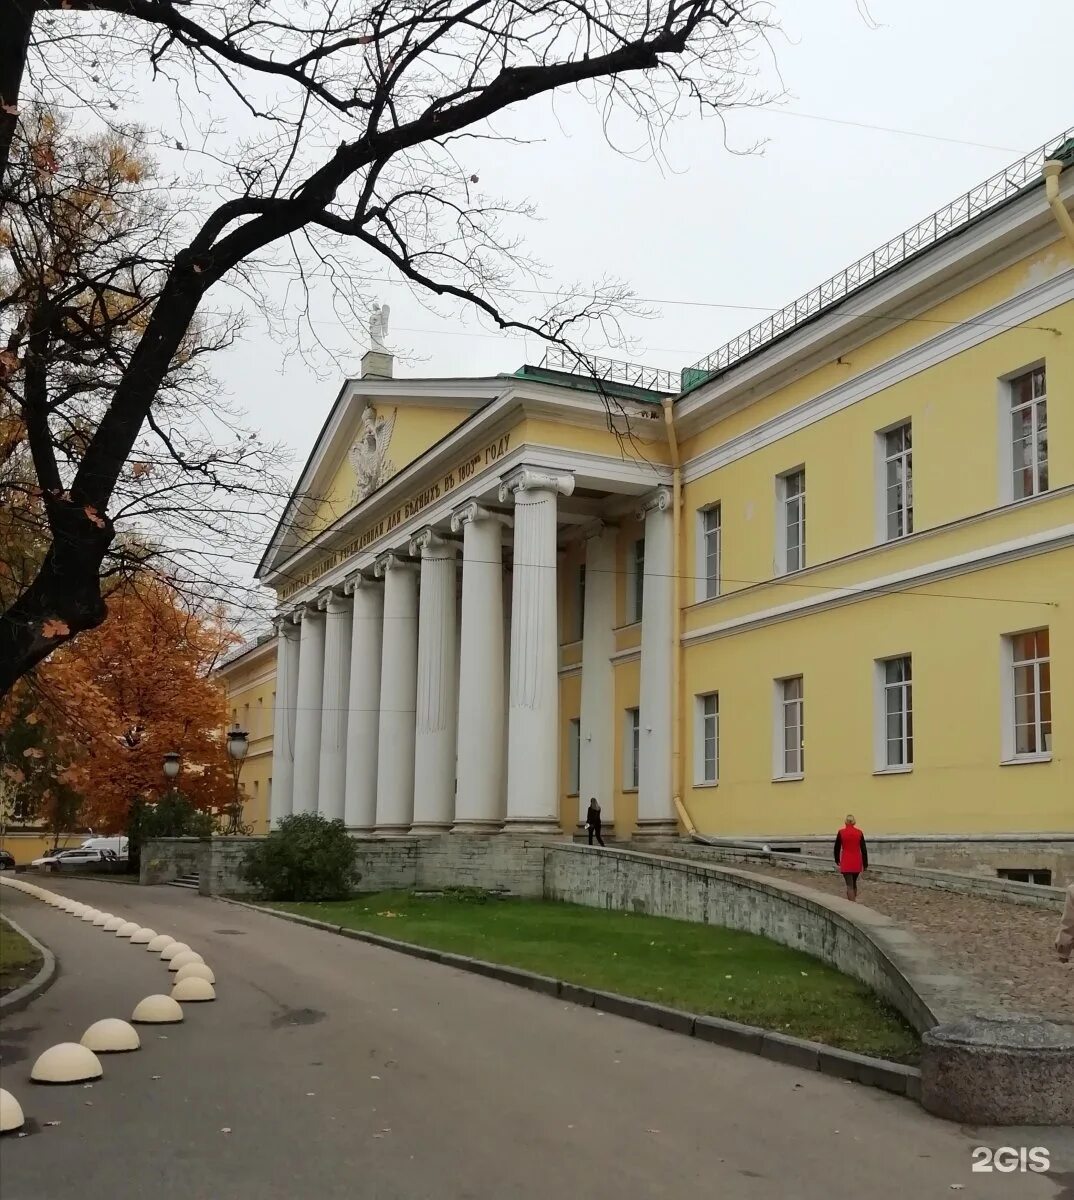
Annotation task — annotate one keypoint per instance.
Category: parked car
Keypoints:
(75, 860)
(118, 845)
(7, 861)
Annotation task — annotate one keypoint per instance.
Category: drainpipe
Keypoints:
(676, 618)
(1052, 170)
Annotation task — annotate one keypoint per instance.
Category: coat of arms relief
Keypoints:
(369, 454)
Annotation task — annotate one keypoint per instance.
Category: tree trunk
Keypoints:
(16, 20)
(67, 590)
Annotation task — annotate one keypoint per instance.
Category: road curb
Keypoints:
(891, 1077)
(41, 982)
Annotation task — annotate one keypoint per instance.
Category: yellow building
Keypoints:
(251, 686)
(829, 568)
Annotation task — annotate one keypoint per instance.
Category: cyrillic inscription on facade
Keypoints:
(463, 472)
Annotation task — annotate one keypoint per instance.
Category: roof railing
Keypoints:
(993, 192)
(611, 370)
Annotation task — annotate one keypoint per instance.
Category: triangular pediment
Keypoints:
(375, 429)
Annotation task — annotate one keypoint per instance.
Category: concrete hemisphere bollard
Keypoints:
(161, 942)
(102, 919)
(182, 960)
(128, 929)
(113, 923)
(193, 990)
(66, 1063)
(195, 970)
(143, 936)
(11, 1117)
(90, 915)
(111, 1036)
(999, 1070)
(157, 1010)
(172, 949)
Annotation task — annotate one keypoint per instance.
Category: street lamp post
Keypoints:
(172, 765)
(237, 744)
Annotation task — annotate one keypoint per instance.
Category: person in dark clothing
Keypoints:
(851, 855)
(592, 821)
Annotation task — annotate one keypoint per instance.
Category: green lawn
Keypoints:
(19, 961)
(700, 968)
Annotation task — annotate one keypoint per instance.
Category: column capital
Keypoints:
(285, 625)
(356, 580)
(532, 479)
(658, 500)
(334, 600)
(472, 511)
(309, 609)
(596, 529)
(392, 560)
(429, 543)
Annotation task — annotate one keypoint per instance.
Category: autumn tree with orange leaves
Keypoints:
(137, 687)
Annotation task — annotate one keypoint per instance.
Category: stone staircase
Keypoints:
(191, 881)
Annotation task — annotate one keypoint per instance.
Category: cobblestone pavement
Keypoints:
(1009, 948)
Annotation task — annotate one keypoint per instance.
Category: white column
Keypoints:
(596, 766)
(309, 694)
(398, 691)
(336, 699)
(656, 811)
(283, 721)
(479, 799)
(438, 684)
(363, 718)
(533, 730)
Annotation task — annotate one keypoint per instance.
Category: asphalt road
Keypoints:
(329, 1069)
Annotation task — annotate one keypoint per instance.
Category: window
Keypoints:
(1030, 694)
(1029, 433)
(636, 581)
(574, 746)
(790, 732)
(792, 531)
(709, 552)
(897, 713)
(580, 598)
(1026, 875)
(708, 739)
(898, 482)
(632, 756)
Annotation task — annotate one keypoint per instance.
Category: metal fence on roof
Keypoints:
(974, 203)
(611, 370)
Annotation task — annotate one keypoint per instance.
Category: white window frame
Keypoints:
(574, 756)
(784, 500)
(1008, 666)
(631, 749)
(884, 458)
(882, 689)
(1006, 410)
(781, 707)
(708, 574)
(635, 581)
(703, 720)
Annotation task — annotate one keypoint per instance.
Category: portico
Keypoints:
(421, 671)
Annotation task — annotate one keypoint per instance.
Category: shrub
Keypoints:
(307, 858)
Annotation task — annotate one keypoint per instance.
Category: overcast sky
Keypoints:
(720, 228)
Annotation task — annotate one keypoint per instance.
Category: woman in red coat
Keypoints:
(851, 855)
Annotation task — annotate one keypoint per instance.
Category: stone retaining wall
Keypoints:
(979, 855)
(1031, 894)
(855, 940)
(165, 859)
